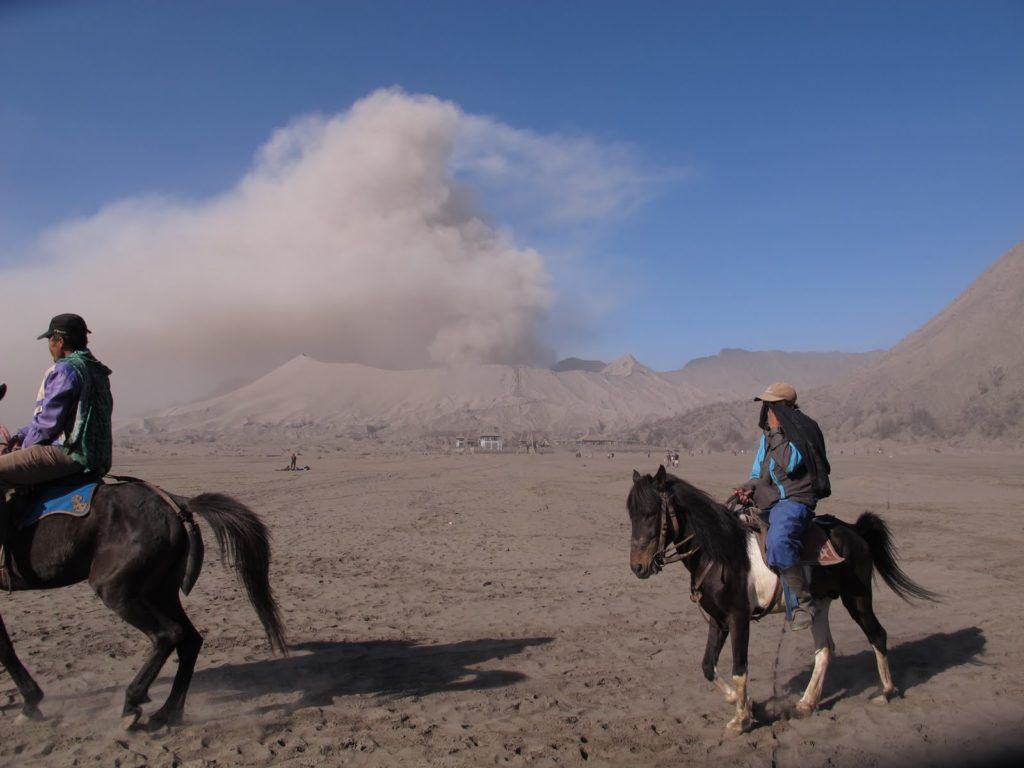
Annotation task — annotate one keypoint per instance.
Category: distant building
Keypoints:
(490, 443)
(598, 441)
(460, 443)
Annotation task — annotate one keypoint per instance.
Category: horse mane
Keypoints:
(716, 530)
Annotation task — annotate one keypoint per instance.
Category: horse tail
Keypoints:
(875, 532)
(244, 539)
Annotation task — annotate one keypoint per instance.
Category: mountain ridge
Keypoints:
(958, 381)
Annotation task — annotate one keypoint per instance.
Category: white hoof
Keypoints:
(738, 726)
(803, 709)
(885, 697)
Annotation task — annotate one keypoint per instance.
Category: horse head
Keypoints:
(3, 391)
(645, 514)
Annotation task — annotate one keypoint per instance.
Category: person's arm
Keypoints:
(745, 492)
(60, 395)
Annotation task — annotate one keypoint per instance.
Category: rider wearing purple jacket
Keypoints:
(70, 429)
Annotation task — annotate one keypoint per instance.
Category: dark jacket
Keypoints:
(779, 472)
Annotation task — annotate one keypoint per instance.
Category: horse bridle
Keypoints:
(668, 517)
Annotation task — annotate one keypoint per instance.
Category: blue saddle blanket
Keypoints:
(73, 499)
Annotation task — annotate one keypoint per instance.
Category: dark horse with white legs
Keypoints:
(731, 583)
(137, 549)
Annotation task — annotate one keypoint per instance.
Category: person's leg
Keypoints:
(31, 466)
(787, 522)
(38, 464)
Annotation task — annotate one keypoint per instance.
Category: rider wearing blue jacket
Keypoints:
(782, 484)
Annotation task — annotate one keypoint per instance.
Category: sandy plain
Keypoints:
(478, 610)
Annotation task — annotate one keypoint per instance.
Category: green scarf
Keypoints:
(90, 442)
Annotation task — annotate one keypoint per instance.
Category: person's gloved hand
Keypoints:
(744, 496)
(8, 442)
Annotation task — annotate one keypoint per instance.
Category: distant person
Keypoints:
(70, 431)
(788, 477)
(294, 459)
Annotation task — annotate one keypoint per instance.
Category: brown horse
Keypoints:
(137, 548)
(731, 583)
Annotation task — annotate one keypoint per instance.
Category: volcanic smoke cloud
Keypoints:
(353, 238)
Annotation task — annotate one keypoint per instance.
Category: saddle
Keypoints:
(67, 496)
(816, 548)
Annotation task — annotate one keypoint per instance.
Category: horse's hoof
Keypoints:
(802, 710)
(163, 719)
(738, 726)
(130, 719)
(885, 696)
(28, 716)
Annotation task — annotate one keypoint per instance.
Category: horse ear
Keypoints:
(660, 474)
(636, 476)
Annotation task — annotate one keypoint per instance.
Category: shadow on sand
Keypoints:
(322, 671)
(912, 663)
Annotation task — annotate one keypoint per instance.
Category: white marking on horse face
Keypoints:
(761, 581)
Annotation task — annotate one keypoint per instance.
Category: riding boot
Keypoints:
(5, 524)
(803, 613)
(5, 516)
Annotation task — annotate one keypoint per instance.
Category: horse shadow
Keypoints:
(322, 671)
(912, 663)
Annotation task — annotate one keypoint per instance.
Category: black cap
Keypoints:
(66, 325)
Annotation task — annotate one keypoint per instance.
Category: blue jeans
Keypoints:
(787, 521)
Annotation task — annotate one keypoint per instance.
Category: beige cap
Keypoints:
(780, 391)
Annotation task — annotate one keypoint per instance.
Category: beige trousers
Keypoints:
(37, 464)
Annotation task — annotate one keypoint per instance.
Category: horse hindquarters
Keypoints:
(867, 547)
(138, 576)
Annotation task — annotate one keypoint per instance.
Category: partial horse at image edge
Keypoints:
(136, 553)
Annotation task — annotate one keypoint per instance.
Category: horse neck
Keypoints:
(698, 562)
(685, 543)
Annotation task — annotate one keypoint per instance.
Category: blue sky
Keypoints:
(837, 173)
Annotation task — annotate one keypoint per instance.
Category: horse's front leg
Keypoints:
(717, 633)
(31, 693)
(739, 626)
(823, 648)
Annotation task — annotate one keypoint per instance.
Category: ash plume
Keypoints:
(355, 237)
